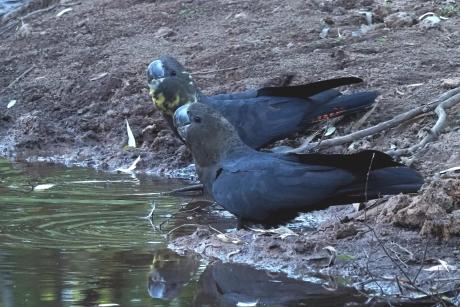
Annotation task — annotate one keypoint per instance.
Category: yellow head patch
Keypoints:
(167, 106)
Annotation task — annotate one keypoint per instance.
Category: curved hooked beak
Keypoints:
(182, 120)
(155, 71)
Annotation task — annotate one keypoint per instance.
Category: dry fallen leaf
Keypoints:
(131, 139)
(42, 187)
(99, 76)
(131, 168)
(330, 131)
(231, 254)
(443, 266)
(452, 169)
(282, 232)
(64, 11)
(11, 104)
(226, 239)
(331, 249)
(415, 85)
(247, 304)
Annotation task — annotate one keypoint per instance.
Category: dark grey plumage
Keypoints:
(260, 116)
(271, 188)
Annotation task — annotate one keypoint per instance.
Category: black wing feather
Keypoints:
(307, 90)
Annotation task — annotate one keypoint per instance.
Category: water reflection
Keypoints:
(82, 242)
(170, 273)
(227, 284)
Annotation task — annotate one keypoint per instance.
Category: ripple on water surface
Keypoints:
(79, 238)
(78, 209)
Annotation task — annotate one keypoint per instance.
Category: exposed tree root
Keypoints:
(439, 105)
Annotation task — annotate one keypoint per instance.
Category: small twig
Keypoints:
(215, 229)
(46, 9)
(399, 258)
(368, 270)
(421, 264)
(364, 118)
(447, 100)
(174, 215)
(386, 252)
(151, 213)
(181, 226)
(191, 188)
(21, 18)
(206, 72)
(382, 245)
(194, 225)
(330, 123)
(435, 131)
(20, 76)
(190, 210)
(399, 285)
(447, 279)
(367, 176)
(408, 252)
(320, 230)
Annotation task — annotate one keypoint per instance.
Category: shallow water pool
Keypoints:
(78, 237)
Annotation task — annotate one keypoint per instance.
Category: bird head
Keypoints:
(206, 132)
(165, 66)
(170, 85)
(170, 93)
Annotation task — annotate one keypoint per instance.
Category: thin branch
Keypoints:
(46, 9)
(382, 245)
(367, 176)
(421, 264)
(207, 72)
(22, 18)
(20, 76)
(435, 131)
(445, 100)
(364, 118)
(185, 190)
(182, 226)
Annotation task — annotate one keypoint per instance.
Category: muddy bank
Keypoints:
(401, 246)
(87, 69)
(76, 71)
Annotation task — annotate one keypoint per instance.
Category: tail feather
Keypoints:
(307, 90)
(384, 181)
(359, 163)
(339, 105)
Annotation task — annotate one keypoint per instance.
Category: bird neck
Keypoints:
(207, 154)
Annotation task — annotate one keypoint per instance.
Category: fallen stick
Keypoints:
(205, 72)
(22, 18)
(46, 9)
(20, 76)
(196, 189)
(444, 101)
(435, 131)
(364, 118)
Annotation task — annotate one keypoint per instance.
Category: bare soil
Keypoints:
(87, 76)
